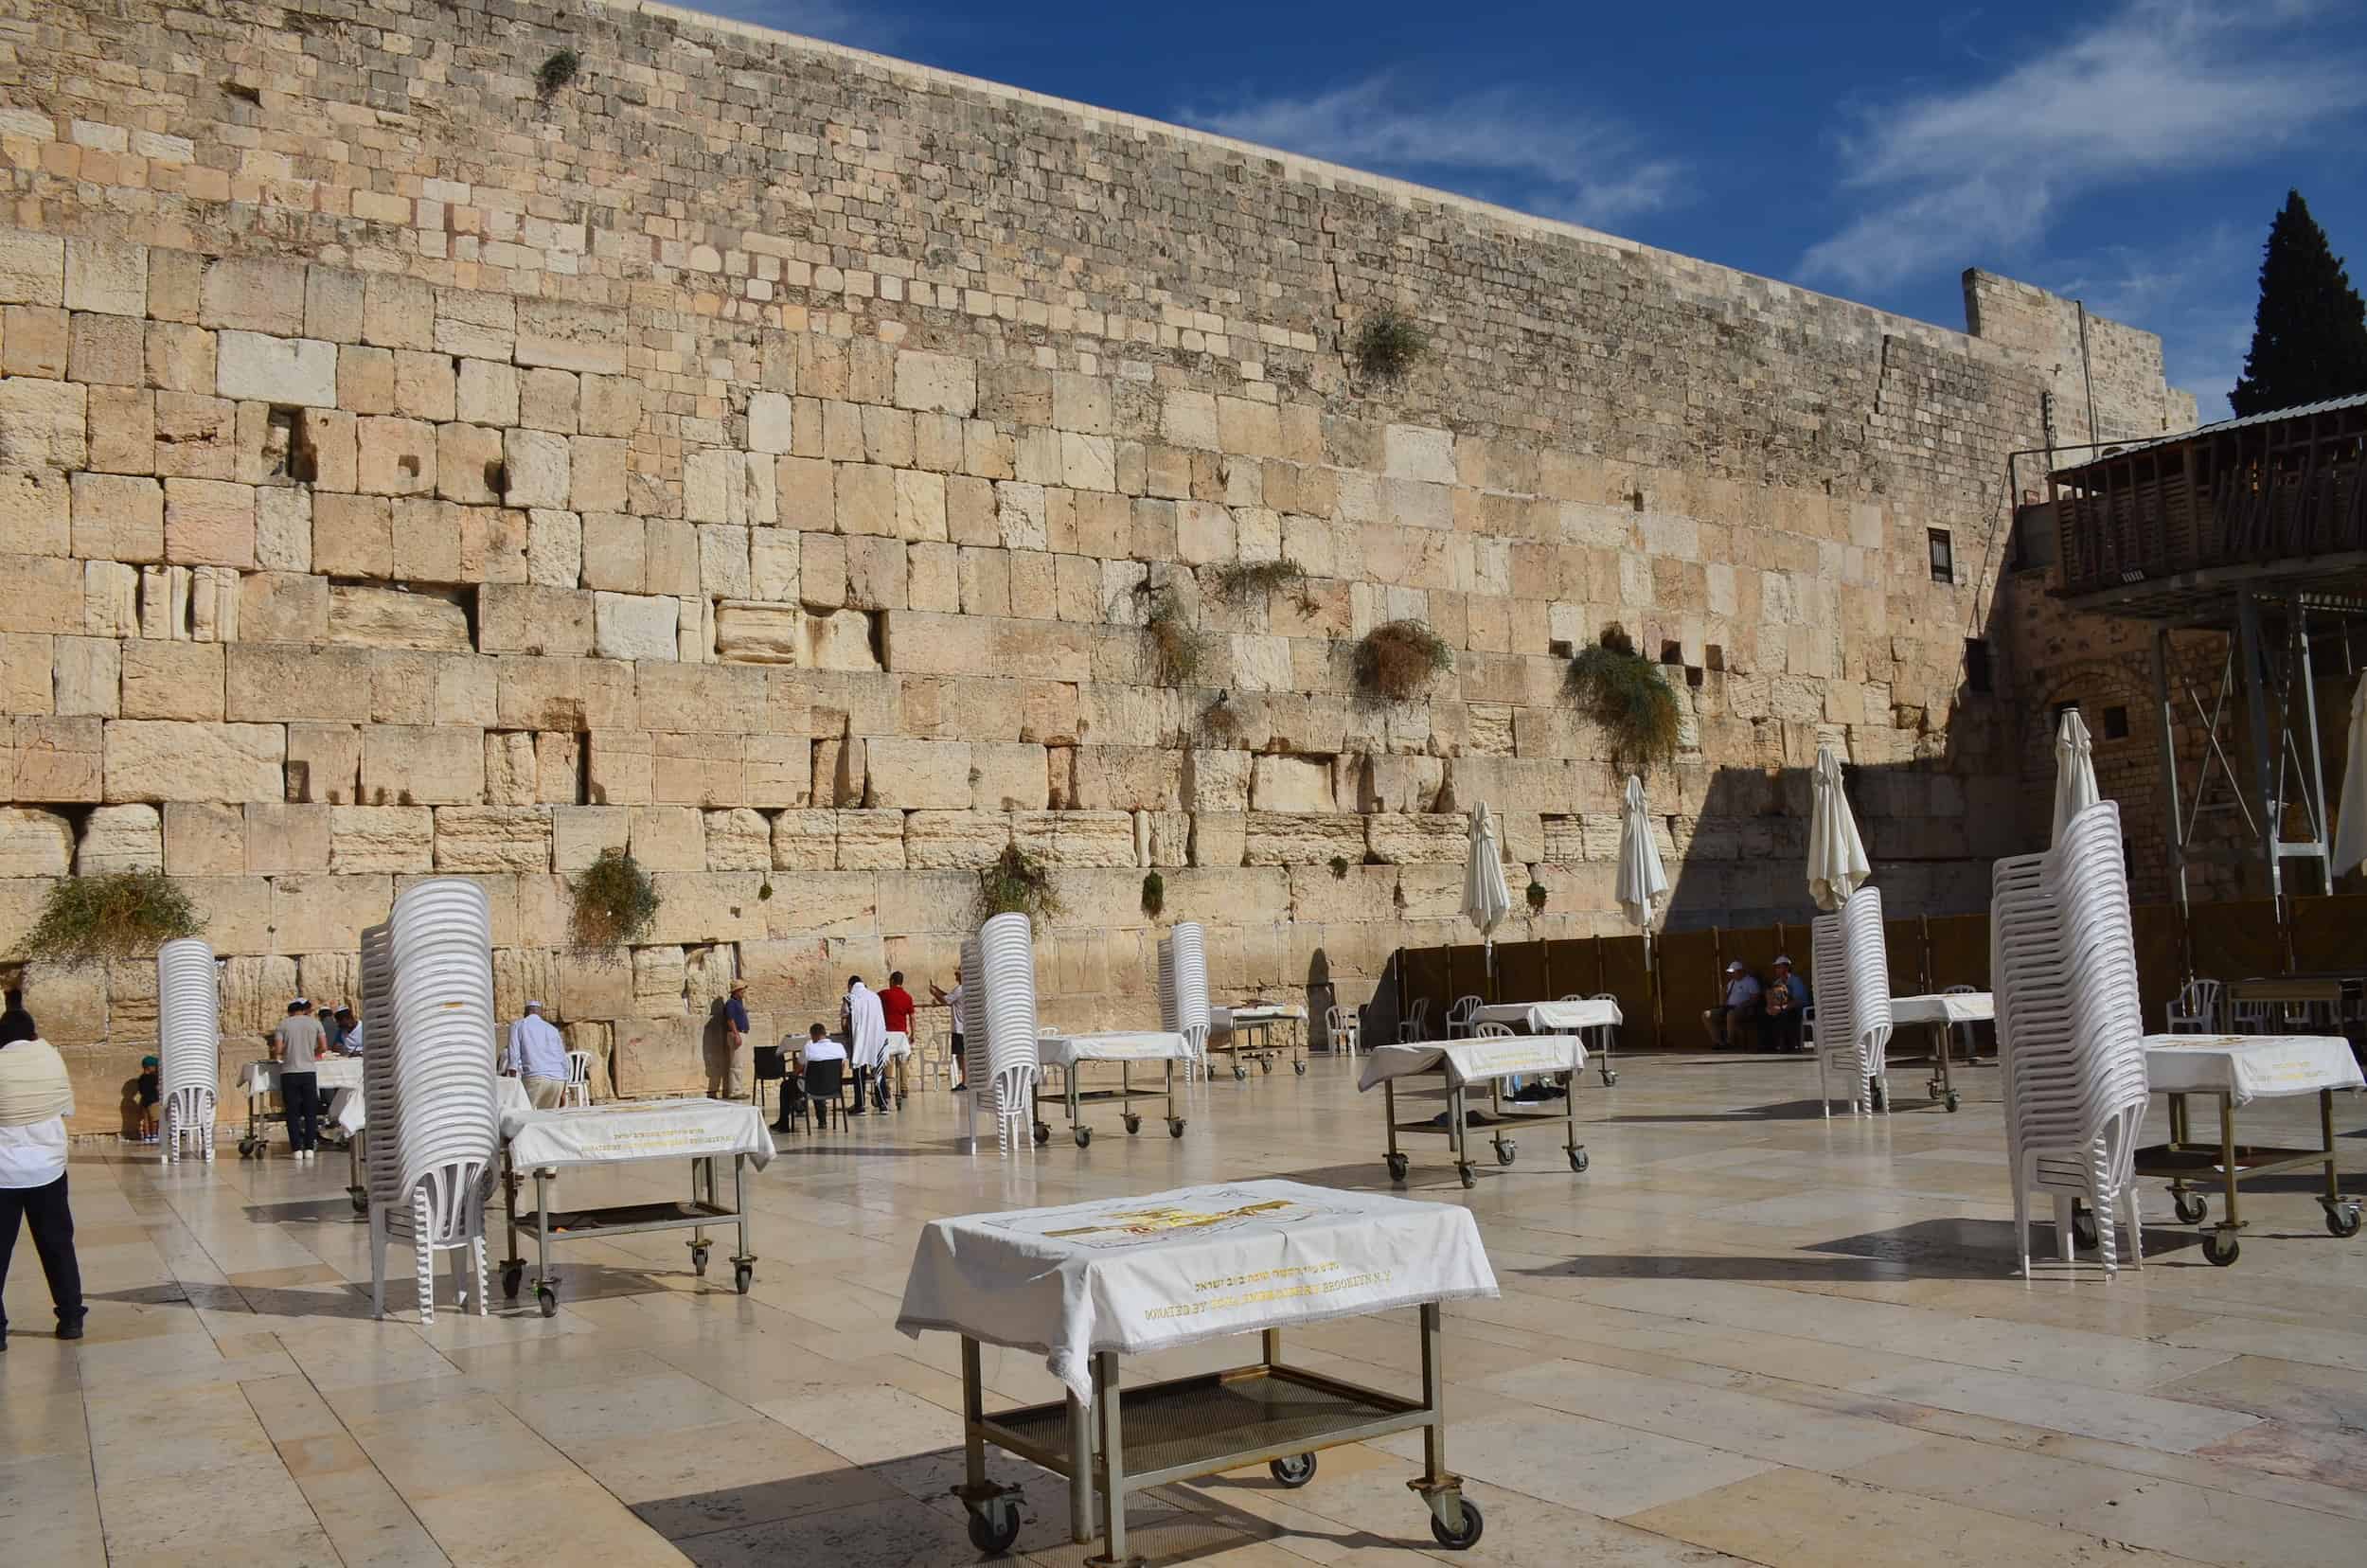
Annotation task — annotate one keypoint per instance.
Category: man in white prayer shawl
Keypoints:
(867, 1037)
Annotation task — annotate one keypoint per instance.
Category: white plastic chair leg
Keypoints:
(424, 1254)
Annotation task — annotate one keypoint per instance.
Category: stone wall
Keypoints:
(761, 456)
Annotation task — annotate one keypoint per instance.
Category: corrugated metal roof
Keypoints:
(2331, 406)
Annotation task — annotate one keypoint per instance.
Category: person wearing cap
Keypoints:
(1787, 1005)
(723, 1080)
(151, 1093)
(297, 1046)
(348, 1032)
(537, 1057)
(1734, 1021)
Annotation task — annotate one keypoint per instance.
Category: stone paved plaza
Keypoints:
(1745, 1334)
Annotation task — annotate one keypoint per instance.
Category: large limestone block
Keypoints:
(283, 838)
(704, 698)
(34, 844)
(668, 838)
(1078, 838)
(564, 335)
(390, 617)
(580, 834)
(1129, 778)
(255, 368)
(871, 841)
(710, 906)
(274, 682)
(493, 838)
(636, 626)
(205, 840)
(696, 770)
(1008, 777)
(283, 607)
(1320, 895)
(255, 990)
(825, 903)
(380, 838)
(115, 516)
(923, 644)
(209, 523)
(87, 680)
(160, 760)
(945, 841)
(777, 770)
(1398, 838)
(36, 509)
(422, 765)
(1298, 784)
(565, 694)
(657, 1057)
(58, 760)
(658, 981)
(918, 774)
(46, 422)
(1168, 836)
(317, 914)
(937, 383)
(595, 982)
(510, 769)
(32, 267)
(808, 841)
(1217, 780)
(395, 456)
(737, 839)
(527, 618)
(1283, 838)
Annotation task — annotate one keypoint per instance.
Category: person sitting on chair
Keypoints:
(1786, 1001)
(1735, 1022)
(819, 1047)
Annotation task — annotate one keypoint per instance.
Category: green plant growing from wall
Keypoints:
(1186, 653)
(612, 902)
(1019, 884)
(1388, 343)
(1239, 583)
(1155, 894)
(118, 915)
(1340, 867)
(1396, 659)
(1537, 895)
(559, 71)
(1629, 697)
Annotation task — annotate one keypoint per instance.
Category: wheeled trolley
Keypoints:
(1570, 1015)
(1064, 1053)
(1248, 1037)
(1090, 1283)
(260, 1080)
(349, 1114)
(1941, 1013)
(705, 1131)
(2235, 1070)
(1462, 1064)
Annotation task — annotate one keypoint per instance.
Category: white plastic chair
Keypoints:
(1459, 1016)
(1344, 1027)
(1606, 1035)
(2195, 1010)
(579, 1086)
(1414, 1026)
(1965, 1030)
(1491, 1031)
(2254, 1017)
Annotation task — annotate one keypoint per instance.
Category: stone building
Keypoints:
(763, 457)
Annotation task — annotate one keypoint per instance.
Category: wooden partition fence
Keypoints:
(1662, 1001)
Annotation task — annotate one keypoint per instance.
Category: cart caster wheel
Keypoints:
(1134, 1124)
(1470, 1174)
(2190, 1207)
(1952, 1100)
(1268, 1065)
(743, 1275)
(512, 1279)
(1880, 1098)
(2221, 1256)
(1043, 1135)
(1610, 1078)
(1506, 1152)
(1398, 1164)
(360, 1202)
(2342, 1219)
(1175, 1127)
(1578, 1160)
(1240, 1073)
(1299, 1067)
(1084, 1135)
(699, 1261)
(2084, 1227)
(1294, 1472)
(547, 1299)
(1464, 1538)
(246, 1148)
(994, 1527)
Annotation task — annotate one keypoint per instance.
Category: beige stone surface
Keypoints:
(34, 843)
(162, 760)
(422, 765)
(493, 838)
(380, 838)
(282, 838)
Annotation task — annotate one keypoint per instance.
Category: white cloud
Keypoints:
(2198, 295)
(1955, 176)
(1501, 144)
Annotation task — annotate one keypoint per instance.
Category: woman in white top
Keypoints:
(32, 1188)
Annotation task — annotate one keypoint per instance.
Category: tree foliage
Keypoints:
(2309, 337)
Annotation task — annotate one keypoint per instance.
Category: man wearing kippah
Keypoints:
(538, 1054)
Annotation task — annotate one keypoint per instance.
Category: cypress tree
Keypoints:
(2310, 337)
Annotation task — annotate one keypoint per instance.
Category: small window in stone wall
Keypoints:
(1977, 676)
(2116, 724)
(1943, 556)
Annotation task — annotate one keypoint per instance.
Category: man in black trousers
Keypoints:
(32, 1191)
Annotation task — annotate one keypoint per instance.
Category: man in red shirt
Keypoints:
(898, 1005)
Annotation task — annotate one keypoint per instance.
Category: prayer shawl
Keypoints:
(866, 1025)
(33, 1085)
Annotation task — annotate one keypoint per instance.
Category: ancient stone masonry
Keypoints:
(763, 457)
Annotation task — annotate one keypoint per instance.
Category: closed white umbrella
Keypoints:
(2075, 771)
(1486, 898)
(1837, 862)
(1641, 883)
(2350, 812)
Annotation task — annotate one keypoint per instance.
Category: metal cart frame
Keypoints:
(1264, 1051)
(1185, 1428)
(703, 1209)
(1076, 1099)
(2183, 1160)
(1458, 1125)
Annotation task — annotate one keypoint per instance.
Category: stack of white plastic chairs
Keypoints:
(1006, 957)
(434, 961)
(1853, 1000)
(188, 1046)
(1183, 988)
(2070, 1033)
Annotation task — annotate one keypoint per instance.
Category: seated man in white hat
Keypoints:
(538, 1054)
(1735, 1021)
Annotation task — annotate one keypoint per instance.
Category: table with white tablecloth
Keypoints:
(1064, 1053)
(259, 1081)
(1461, 1065)
(1570, 1015)
(701, 1131)
(2237, 1070)
(1085, 1284)
(1247, 1031)
(349, 1114)
(1941, 1012)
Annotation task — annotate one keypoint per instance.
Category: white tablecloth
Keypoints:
(2248, 1067)
(332, 1072)
(1472, 1060)
(1137, 1273)
(1547, 1017)
(640, 1130)
(349, 1109)
(1059, 1050)
(1220, 1018)
(1958, 1007)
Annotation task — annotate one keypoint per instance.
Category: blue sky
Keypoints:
(2130, 153)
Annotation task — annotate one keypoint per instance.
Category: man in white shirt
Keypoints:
(32, 1190)
(538, 1054)
(1735, 1021)
(819, 1047)
(867, 1034)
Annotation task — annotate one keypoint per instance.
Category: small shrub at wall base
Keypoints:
(120, 915)
(1537, 898)
(1155, 894)
(613, 902)
(1629, 697)
(1396, 659)
(1388, 343)
(562, 68)
(1019, 884)
(1340, 867)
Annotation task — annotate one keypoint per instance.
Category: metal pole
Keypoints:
(2271, 826)
(2177, 839)
(2315, 780)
